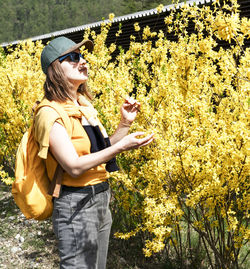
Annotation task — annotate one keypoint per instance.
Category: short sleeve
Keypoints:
(43, 122)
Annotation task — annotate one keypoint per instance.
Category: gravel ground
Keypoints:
(24, 243)
(29, 244)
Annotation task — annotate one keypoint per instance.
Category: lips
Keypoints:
(83, 69)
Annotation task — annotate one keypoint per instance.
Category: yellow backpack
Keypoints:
(32, 189)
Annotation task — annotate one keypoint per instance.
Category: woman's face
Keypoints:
(76, 72)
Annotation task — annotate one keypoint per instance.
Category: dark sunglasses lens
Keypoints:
(75, 57)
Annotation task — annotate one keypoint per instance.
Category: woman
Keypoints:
(81, 215)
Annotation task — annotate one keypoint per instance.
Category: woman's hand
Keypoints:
(132, 142)
(129, 110)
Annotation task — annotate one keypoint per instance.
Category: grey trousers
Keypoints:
(82, 241)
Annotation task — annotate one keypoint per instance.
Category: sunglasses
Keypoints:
(74, 57)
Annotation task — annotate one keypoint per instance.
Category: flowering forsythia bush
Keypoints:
(21, 82)
(194, 95)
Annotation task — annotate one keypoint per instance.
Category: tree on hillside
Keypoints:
(24, 19)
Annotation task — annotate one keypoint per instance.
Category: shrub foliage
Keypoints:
(194, 95)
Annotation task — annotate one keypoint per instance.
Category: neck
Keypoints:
(73, 93)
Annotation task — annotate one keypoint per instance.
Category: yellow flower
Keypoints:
(118, 33)
(245, 27)
(146, 32)
(111, 16)
(137, 27)
(226, 27)
(159, 8)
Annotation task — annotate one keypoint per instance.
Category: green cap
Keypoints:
(59, 47)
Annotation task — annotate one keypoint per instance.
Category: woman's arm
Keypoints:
(120, 132)
(65, 153)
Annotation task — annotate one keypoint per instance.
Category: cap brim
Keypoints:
(88, 44)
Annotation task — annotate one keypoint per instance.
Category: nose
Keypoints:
(82, 61)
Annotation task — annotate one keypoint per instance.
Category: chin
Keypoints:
(85, 79)
(82, 78)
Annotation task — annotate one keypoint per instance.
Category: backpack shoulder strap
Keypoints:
(60, 111)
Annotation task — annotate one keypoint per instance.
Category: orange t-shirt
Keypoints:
(43, 122)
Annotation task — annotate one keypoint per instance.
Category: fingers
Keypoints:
(129, 101)
(146, 140)
(132, 142)
(138, 134)
(143, 141)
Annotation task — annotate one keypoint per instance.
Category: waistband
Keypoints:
(97, 188)
(91, 190)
